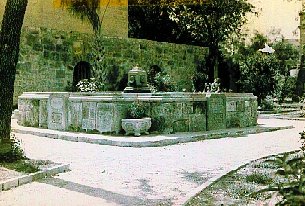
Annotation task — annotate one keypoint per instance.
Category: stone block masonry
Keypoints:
(47, 58)
(169, 112)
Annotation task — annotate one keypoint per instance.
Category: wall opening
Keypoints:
(82, 70)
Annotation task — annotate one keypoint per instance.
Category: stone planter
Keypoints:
(136, 126)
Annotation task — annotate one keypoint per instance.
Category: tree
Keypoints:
(9, 52)
(86, 10)
(210, 23)
(151, 21)
(265, 74)
(207, 23)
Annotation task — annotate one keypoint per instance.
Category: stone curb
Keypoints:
(24, 179)
(286, 118)
(197, 190)
(156, 143)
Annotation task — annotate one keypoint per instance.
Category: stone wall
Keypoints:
(169, 112)
(49, 14)
(47, 58)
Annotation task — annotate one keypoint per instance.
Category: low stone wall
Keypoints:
(170, 112)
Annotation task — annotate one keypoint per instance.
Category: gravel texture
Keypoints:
(109, 175)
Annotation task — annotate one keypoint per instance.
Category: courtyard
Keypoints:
(164, 175)
(128, 102)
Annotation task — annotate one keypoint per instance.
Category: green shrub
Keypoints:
(267, 104)
(160, 81)
(10, 152)
(292, 170)
(136, 110)
(157, 124)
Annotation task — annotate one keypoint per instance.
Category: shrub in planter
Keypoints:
(136, 110)
(137, 121)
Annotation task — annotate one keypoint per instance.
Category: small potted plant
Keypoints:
(137, 122)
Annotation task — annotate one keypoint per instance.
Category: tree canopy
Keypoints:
(203, 23)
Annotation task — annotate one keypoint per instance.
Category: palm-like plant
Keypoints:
(86, 10)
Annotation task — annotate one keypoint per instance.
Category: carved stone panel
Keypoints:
(216, 112)
(231, 106)
(89, 115)
(75, 114)
(43, 113)
(197, 122)
(105, 117)
(57, 111)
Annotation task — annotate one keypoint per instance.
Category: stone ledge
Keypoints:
(145, 141)
(24, 179)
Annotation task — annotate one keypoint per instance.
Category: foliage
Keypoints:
(85, 10)
(257, 74)
(159, 80)
(136, 110)
(164, 83)
(265, 74)
(22, 166)
(143, 17)
(201, 23)
(214, 21)
(157, 124)
(90, 85)
(259, 178)
(113, 78)
(14, 151)
(292, 169)
(285, 86)
(287, 56)
(211, 23)
(267, 104)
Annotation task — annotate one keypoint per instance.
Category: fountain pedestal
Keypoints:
(137, 81)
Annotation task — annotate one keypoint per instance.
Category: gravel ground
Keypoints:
(108, 175)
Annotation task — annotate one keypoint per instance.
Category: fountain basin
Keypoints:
(169, 111)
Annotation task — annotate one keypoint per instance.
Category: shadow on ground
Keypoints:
(104, 194)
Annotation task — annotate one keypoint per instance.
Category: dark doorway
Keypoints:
(82, 70)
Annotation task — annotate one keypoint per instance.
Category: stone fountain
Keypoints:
(169, 111)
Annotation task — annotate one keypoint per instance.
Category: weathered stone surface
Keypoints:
(216, 111)
(47, 56)
(75, 114)
(57, 111)
(43, 113)
(245, 113)
(24, 179)
(169, 112)
(10, 184)
(105, 117)
(89, 115)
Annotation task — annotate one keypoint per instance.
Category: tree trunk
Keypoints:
(9, 52)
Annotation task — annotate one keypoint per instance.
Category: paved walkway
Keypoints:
(110, 175)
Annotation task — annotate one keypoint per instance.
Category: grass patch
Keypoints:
(21, 166)
(12, 157)
(259, 178)
(237, 187)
